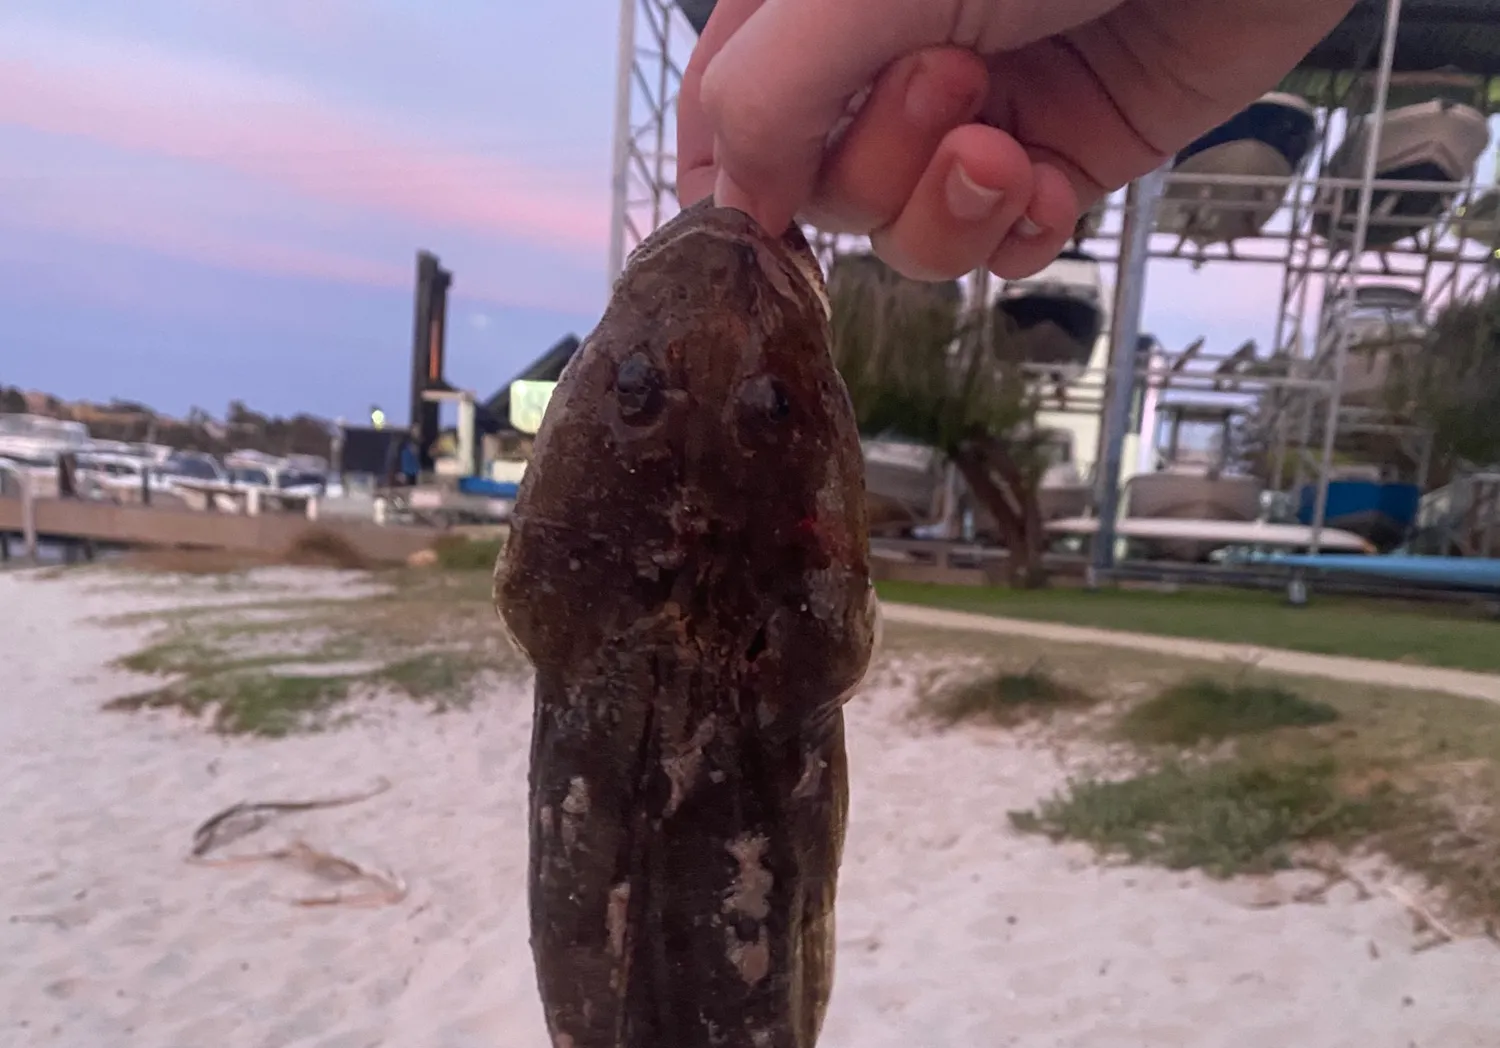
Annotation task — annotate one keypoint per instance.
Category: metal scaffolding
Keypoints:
(1297, 388)
(655, 42)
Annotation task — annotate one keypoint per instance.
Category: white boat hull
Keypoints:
(1436, 141)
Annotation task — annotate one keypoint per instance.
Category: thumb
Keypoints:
(769, 82)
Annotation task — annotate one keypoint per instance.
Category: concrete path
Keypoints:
(1330, 667)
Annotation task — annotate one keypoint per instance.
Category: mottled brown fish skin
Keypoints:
(688, 572)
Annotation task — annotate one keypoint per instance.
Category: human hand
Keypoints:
(990, 124)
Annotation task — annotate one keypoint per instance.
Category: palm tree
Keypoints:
(919, 365)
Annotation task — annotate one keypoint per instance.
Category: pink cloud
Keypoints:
(173, 237)
(157, 102)
(230, 231)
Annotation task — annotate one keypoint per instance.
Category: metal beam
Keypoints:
(1141, 201)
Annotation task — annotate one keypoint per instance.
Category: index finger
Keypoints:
(768, 82)
(772, 78)
(696, 170)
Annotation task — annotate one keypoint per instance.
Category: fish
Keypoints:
(687, 571)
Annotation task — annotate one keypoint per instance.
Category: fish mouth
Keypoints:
(793, 246)
(806, 265)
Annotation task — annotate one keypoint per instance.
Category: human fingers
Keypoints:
(779, 84)
(876, 164)
(696, 169)
(978, 184)
(1043, 231)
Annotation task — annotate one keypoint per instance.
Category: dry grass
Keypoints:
(1005, 698)
(1413, 775)
(314, 548)
(1275, 764)
(432, 637)
(168, 561)
(463, 553)
(321, 548)
(1206, 709)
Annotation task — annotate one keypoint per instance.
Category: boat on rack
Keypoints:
(1053, 318)
(697, 12)
(1386, 328)
(1433, 131)
(1214, 534)
(902, 483)
(1361, 502)
(1192, 479)
(1269, 139)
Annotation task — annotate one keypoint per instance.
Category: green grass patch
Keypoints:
(250, 703)
(271, 675)
(1459, 637)
(1203, 709)
(185, 653)
(457, 553)
(1224, 818)
(1004, 698)
(440, 675)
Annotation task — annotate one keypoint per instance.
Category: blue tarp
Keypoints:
(486, 488)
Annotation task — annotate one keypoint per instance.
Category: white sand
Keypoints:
(954, 930)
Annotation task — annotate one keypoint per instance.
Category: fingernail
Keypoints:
(967, 199)
(932, 103)
(1026, 229)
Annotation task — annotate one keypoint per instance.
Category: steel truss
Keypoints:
(1297, 387)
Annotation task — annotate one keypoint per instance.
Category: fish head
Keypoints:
(699, 462)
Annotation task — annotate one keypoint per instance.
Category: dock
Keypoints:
(72, 521)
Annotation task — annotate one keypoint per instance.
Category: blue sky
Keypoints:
(208, 199)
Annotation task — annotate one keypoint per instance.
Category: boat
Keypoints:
(122, 478)
(1433, 132)
(197, 479)
(1270, 139)
(298, 476)
(1053, 318)
(32, 445)
(697, 12)
(1386, 328)
(36, 440)
(1215, 534)
(1187, 492)
(1382, 511)
(1191, 479)
(902, 483)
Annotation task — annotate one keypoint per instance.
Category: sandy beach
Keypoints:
(954, 929)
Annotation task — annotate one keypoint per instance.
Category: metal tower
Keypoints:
(656, 39)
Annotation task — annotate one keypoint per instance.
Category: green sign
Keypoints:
(528, 401)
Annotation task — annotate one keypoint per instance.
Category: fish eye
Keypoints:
(765, 397)
(638, 389)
